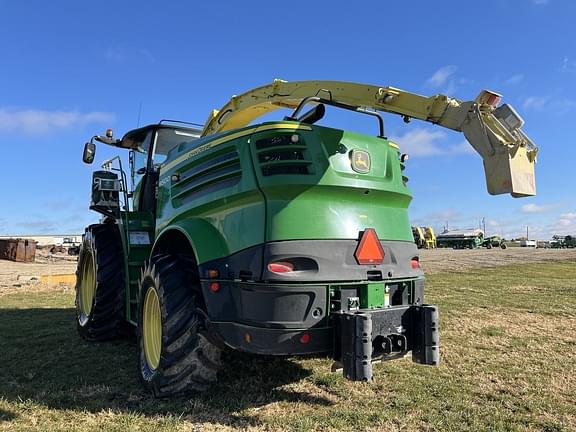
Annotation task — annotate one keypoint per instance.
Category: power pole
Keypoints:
(527, 238)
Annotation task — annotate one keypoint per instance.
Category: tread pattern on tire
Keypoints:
(106, 318)
(188, 360)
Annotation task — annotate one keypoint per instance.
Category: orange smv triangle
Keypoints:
(369, 250)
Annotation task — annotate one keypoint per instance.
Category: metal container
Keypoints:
(20, 250)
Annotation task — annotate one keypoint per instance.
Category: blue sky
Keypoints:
(72, 69)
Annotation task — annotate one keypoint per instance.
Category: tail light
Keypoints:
(415, 263)
(281, 267)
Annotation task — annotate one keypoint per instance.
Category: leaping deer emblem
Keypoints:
(361, 161)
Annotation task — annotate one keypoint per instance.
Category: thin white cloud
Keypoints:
(540, 2)
(114, 54)
(123, 53)
(563, 105)
(441, 76)
(147, 55)
(420, 142)
(535, 102)
(568, 65)
(463, 148)
(515, 79)
(557, 105)
(448, 214)
(41, 122)
(567, 220)
(439, 219)
(38, 226)
(535, 208)
(564, 225)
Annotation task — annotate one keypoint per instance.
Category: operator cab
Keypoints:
(149, 147)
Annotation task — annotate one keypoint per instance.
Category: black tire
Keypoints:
(102, 318)
(188, 361)
(503, 246)
(489, 246)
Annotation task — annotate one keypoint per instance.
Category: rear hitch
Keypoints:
(384, 334)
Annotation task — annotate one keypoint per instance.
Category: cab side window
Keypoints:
(141, 160)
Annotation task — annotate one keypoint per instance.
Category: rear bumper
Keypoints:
(274, 341)
(353, 338)
(311, 319)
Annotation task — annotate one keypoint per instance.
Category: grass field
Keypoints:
(508, 363)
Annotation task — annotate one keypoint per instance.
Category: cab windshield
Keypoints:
(168, 138)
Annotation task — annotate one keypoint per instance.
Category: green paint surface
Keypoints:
(240, 206)
(372, 296)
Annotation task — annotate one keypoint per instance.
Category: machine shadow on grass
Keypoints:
(46, 362)
(6, 415)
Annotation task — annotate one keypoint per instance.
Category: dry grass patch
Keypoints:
(508, 343)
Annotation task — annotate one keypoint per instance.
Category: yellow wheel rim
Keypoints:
(87, 285)
(152, 328)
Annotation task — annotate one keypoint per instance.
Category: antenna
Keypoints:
(139, 114)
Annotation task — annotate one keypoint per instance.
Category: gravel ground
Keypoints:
(16, 275)
(449, 260)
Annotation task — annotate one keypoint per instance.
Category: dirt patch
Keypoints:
(15, 275)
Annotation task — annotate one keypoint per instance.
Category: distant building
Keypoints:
(51, 239)
(528, 243)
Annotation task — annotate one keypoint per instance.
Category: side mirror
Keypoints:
(89, 153)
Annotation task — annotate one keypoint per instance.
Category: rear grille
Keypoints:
(281, 155)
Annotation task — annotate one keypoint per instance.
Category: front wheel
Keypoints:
(100, 284)
(174, 354)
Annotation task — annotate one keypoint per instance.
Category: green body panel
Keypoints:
(372, 296)
(137, 250)
(219, 222)
(216, 191)
(334, 201)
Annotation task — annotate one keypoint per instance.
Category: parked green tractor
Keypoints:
(278, 238)
(570, 241)
(493, 241)
(461, 239)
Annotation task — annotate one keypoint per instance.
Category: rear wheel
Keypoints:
(175, 355)
(100, 283)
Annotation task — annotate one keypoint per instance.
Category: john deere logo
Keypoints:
(360, 161)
